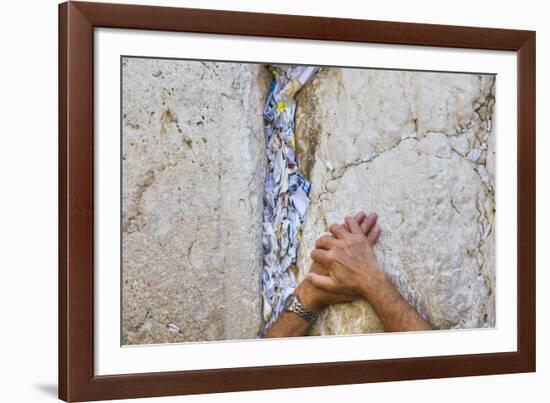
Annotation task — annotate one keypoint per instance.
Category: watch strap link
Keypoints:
(298, 308)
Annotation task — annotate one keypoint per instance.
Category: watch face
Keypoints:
(289, 300)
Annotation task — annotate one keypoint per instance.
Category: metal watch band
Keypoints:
(294, 305)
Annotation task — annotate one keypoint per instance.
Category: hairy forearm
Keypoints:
(288, 324)
(393, 310)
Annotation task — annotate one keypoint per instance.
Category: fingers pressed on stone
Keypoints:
(338, 231)
(321, 256)
(359, 217)
(373, 235)
(353, 226)
(369, 223)
(326, 242)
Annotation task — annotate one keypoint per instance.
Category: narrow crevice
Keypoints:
(286, 190)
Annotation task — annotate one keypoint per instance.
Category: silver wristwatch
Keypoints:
(293, 304)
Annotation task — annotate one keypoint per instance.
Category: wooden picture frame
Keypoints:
(77, 21)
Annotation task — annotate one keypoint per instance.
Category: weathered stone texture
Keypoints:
(193, 158)
(435, 205)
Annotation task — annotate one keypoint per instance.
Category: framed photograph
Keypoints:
(252, 201)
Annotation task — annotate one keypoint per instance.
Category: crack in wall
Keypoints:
(286, 192)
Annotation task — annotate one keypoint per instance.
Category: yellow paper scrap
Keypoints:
(281, 106)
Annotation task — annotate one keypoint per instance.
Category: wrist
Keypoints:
(306, 296)
(374, 283)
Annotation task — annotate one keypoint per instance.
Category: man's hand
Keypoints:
(316, 298)
(354, 270)
(349, 257)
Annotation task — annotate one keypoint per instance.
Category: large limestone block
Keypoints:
(193, 158)
(417, 148)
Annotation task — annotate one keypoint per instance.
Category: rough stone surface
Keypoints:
(193, 157)
(434, 198)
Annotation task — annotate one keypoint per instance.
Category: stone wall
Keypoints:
(419, 149)
(193, 158)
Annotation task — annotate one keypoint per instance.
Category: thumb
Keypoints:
(323, 282)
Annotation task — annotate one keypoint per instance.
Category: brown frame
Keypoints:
(77, 21)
